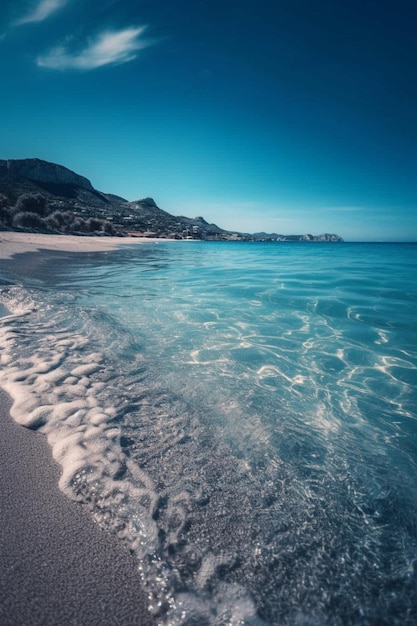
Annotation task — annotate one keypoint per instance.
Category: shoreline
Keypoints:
(56, 565)
(12, 243)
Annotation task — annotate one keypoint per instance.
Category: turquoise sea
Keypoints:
(244, 415)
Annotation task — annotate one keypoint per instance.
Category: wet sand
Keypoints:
(57, 567)
(14, 242)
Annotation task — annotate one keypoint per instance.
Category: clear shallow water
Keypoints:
(244, 415)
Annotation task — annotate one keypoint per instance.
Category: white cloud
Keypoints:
(42, 11)
(109, 48)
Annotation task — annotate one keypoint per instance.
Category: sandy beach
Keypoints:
(56, 565)
(16, 242)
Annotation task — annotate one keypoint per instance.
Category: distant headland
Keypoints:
(39, 196)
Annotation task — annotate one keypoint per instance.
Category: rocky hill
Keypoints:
(37, 195)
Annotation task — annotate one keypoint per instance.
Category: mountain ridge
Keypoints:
(38, 195)
(43, 171)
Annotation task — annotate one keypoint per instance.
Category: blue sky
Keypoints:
(285, 116)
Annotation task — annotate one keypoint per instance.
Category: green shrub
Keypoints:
(78, 225)
(108, 228)
(5, 216)
(28, 219)
(57, 220)
(32, 203)
(94, 224)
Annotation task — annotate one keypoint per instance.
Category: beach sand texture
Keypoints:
(57, 567)
(16, 242)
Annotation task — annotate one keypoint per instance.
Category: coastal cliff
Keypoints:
(37, 195)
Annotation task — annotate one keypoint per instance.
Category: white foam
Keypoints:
(56, 388)
(53, 389)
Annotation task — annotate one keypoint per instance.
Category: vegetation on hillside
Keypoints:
(31, 211)
(39, 196)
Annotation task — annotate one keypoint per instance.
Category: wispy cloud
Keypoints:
(41, 11)
(346, 209)
(108, 48)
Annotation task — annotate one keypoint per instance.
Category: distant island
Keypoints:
(39, 196)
